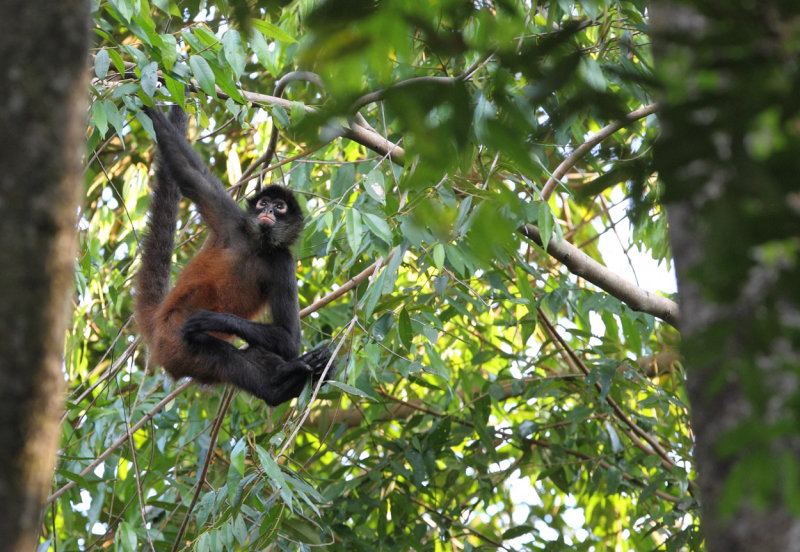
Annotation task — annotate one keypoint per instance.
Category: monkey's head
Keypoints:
(278, 215)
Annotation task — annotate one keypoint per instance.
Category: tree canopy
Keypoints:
(460, 164)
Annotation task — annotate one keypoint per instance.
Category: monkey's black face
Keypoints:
(269, 210)
(278, 215)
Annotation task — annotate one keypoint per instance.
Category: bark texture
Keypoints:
(44, 48)
(730, 178)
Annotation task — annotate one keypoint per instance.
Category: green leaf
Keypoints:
(227, 85)
(177, 91)
(545, 223)
(456, 258)
(240, 530)
(440, 284)
(524, 286)
(272, 31)
(437, 365)
(261, 49)
(375, 186)
(123, 8)
(192, 40)
(99, 118)
(297, 111)
(102, 61)
(169, 51)
(237, 456)
(119, 63)
(115, 117)
(279, 113)
(438, 256)
(382, 326)
(592, 74)
(353, 229)
(349, 389)
(344, 179)
(379, 227)
(149, 78)
(271, 468)
(518, 531)
(374, 293)
(204, 75)
(404, 329)
(233, 50)
(616, 445)
(127, 537)
(613, 479)
(163, 5)
(206, 38)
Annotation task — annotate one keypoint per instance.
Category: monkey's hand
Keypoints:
(317, 360)
(200, 322)
(195, 329)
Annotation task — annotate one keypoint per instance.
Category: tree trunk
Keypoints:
(44, 47)
(730, 165)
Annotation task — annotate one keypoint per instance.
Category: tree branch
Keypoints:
(587, 146)
(355, 132)
(350, 284)
(581, 264)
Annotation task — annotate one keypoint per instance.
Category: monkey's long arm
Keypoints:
(220, 212)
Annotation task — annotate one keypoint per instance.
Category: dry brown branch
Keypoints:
(364, 136)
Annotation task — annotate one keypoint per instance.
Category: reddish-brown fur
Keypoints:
(204, 284)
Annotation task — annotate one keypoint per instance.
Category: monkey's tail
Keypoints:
(153, 279)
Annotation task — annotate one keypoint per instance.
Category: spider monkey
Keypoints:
(244, 266)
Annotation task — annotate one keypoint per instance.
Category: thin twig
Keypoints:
(201, 479)
(273, 138)
(106, 453)
(587, 146)
(318, 386)
(350, 284)
(654, 446)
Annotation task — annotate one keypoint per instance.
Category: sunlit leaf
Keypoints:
(272, 31)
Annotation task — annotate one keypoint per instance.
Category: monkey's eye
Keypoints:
(280, 206)
(262, 203)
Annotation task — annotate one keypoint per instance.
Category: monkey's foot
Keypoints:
(317, 360)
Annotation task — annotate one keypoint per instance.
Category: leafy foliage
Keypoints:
(486, 398)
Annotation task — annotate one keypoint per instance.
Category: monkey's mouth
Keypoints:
(266, 218)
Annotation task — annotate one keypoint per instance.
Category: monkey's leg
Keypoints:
(266, 337)
(269, 377)
(261, 373)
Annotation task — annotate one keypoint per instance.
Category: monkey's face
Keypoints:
(278, 215)
(269, 209)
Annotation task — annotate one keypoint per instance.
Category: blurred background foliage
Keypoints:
(486, 397)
